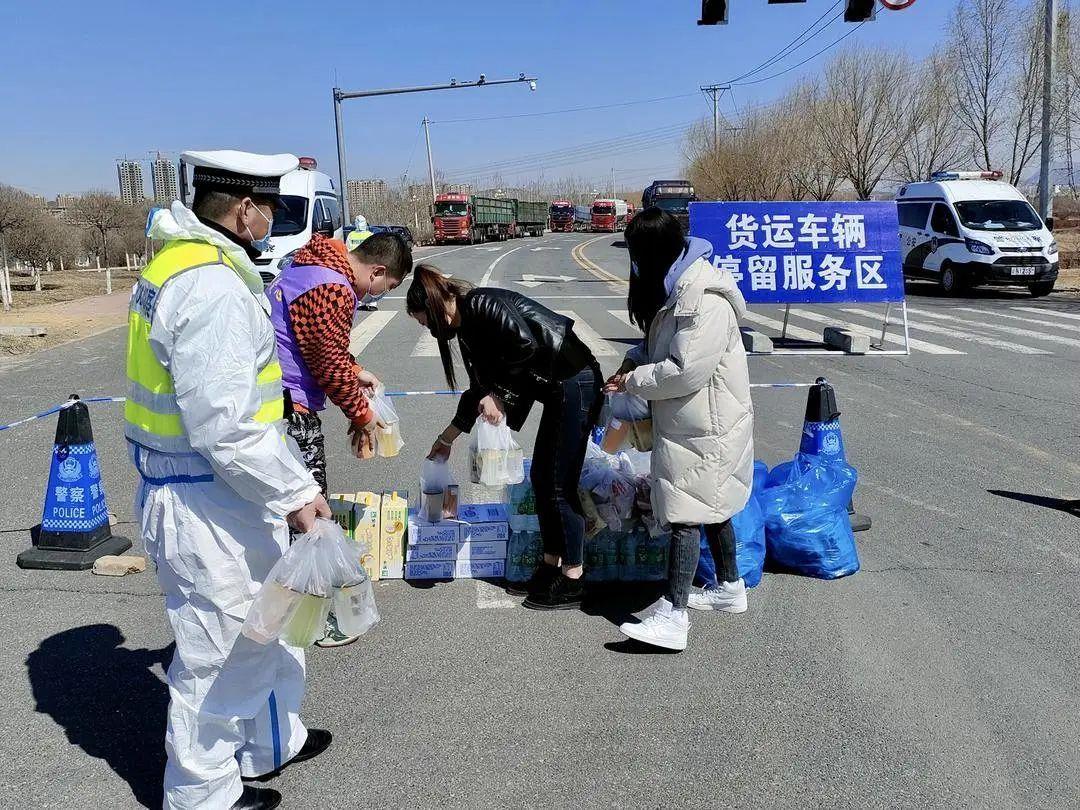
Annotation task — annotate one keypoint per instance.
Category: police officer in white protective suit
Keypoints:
(203, 417)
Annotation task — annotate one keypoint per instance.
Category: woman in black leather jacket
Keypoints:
(517, 353)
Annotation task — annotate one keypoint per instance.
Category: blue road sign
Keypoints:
(805, 252)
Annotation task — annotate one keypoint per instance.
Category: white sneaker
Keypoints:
(729, 597)
(661, 626)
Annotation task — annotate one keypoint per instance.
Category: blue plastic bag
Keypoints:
(807, 529)
(749, 526)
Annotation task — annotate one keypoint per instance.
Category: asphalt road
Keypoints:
(942, 674)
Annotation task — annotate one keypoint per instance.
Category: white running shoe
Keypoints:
(729, 597)
(661, 626)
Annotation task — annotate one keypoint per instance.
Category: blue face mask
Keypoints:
(370, 298)
(262, 245)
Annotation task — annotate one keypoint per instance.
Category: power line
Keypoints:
(794, 45)
(412, 153)
(588, 108)
(804, 61)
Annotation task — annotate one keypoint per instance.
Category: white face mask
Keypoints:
(262, 245)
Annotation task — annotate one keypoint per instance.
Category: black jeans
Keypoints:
(684, 553)
(570, 413)
(306, 429)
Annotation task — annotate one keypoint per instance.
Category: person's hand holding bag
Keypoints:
(492, 410)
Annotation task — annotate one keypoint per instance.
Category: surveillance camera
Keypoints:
(483, 78)
(521, 75)
(453, 81)
(532, 86)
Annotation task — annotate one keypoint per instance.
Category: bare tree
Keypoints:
(16, 209)
(860, 111)
(102, 213)
(983, 37)
(931, 141)
(1024, 122)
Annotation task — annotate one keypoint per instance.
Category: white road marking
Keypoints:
(921, 345)
(623, 316)
(427, 256)
(1068, 327)
(491, 267)
(589, 336)
(1010, 330)
(1053, 313)
(490, 597)
(426, 346)
(949, 332)
(368, 329)
(792, 330)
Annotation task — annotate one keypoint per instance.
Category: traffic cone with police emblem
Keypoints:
(74, 528)
(822, 437)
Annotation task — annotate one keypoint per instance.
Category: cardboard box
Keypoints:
(484, 532)
(343, 509)
(367, 520)
(394, 528)
(484, 512)
(431, 551)
(482, 550)
(480, 569)
(421, 532)
(429, 569)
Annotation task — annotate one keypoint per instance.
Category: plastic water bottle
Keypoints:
(629, 570)
(524, 551)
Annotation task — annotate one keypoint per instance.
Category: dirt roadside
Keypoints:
(64, 321)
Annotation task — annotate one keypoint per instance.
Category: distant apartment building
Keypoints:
(165, 180)
(61, 205)
(365, 195)
(129, 173)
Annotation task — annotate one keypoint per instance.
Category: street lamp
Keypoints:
(341, 95)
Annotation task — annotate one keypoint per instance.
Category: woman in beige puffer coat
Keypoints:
(692, 370)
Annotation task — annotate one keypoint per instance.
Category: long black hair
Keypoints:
(431, 293)
(655, 240)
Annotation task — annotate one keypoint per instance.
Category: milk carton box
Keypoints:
(343, 509)
(395, 519)
(480, 569)
(447, 552)
(422, 532)
(429, 569)
(368, 520)
(482, 550)
(484, 522)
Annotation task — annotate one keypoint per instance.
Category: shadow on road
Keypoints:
(1070, 507)
(930, 289)
(107, 700)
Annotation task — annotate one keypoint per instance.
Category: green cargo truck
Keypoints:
(495, 218)
(531, 218)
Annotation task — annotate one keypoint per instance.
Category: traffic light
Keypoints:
(860, 10)
(713, 12)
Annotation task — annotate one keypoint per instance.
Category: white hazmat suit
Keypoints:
(213, 523)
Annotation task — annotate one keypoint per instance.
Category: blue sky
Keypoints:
(82, 84)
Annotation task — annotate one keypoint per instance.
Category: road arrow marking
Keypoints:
(529, 277)
(533, 250)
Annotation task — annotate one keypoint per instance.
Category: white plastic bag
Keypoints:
(293, 602)
(435, 480)
(388, 440)
(628, 407)
(497, 459)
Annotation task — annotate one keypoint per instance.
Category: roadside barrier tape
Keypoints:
(94, 400)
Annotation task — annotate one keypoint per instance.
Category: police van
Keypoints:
(963, 229)
(309, 204)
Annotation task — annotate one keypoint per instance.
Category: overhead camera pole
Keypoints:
(341, 95)
(1046, 182)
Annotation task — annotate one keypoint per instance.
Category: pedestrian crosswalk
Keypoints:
(942, 331)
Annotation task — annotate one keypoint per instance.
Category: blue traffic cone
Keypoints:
(74, 528)
(823, 438)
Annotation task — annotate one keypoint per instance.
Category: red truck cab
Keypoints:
(453, 219)
(561, 214)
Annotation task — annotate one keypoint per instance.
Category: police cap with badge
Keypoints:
(240, 173)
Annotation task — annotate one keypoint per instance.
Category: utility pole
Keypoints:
(1046, 183)
(613, 183)
(340, 95)
(430, 164)
(715, 90)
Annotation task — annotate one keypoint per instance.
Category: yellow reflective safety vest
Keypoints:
(151, 411)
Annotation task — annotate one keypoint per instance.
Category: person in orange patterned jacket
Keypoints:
(313, 304)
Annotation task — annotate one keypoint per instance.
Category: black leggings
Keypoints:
(570, 413)
(684, 553)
